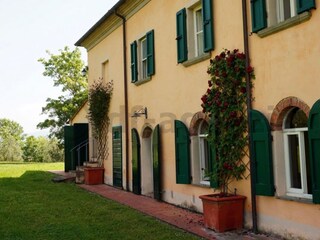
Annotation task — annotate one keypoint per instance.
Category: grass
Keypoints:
(33, 207)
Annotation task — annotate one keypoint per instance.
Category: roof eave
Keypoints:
(97, 24)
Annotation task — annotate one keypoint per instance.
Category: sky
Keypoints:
(27, 29)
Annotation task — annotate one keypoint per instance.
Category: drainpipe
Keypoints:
(249, 107)
(126, 111)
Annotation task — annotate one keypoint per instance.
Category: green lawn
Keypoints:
(33, 207)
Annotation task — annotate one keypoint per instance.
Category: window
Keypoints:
(297, 162)
(280, 10)
(198, 31)
(194, 31)
(142, 58)
(204, 154)
(272, 12)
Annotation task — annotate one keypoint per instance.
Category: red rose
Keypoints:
(210, 83)
(233, 114)
(241, 56)
(243, 90)
(249, 69)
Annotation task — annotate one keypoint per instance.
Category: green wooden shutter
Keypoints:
(305, 5)
(156, 152)
(117, 156)
(314, 149)
(182, 143)
(134, 62)
(68, 145)
(182, 48)
(212, 163)
(258, 15)
(208, 42)
(136, 164)
(262, 154)
(150, 53)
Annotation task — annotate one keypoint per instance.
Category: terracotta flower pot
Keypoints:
(93, 175)
(223, 213)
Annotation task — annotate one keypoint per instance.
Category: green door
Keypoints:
(136, 162)
(75, 145)
(156, 155)
(68, 145)
(117, 156)
(81, 137)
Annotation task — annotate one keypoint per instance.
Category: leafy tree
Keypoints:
(11, 137)
(66, 71)
(41, 149)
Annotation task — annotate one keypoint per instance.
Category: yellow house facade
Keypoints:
(157, 53)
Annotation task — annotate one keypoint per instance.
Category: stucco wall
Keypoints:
(81, 115)
(285, 63)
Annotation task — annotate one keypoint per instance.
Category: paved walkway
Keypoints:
(184, 219)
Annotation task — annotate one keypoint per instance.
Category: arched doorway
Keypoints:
(146, 163)
(136, 162)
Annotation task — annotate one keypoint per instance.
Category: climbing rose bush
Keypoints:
(225, 103)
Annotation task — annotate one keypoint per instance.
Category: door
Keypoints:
(81, 144)
(75, 145)
(68, 145)
(136, 162)
(156, 157)
(117, 156)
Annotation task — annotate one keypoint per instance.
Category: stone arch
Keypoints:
(280, 111)
(146, 131)
(195, 122)
(146, 161)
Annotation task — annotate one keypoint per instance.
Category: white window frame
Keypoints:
(197, 33)
(202, 156)
(299, 132)
(296, 192)
(142, 61)
(280, 9)
(275, 11)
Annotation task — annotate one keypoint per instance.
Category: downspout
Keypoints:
(126, 111)
(249, 107)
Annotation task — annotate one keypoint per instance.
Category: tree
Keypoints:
(66, 71)
(41, 149)
(11, 137)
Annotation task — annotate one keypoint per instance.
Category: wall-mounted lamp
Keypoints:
(142, 111)
(84, 71)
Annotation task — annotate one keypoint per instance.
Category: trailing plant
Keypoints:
(225, 103)
(100, 94)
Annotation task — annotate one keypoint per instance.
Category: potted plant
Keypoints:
(225, 104)
(98, 114)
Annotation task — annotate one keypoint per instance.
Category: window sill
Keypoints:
(201, 185)
(303, 17)
(197, 59)
(295, 199)
(142, 81)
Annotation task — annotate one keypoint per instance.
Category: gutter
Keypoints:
(125, 79)
(249, 107)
